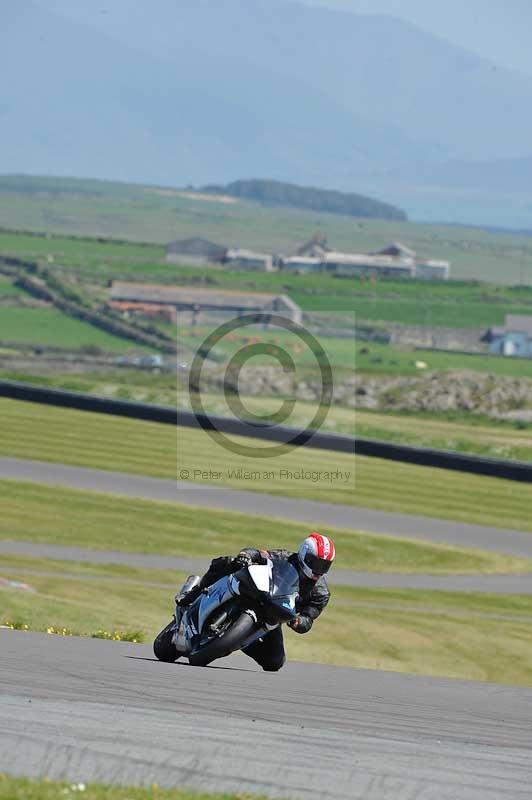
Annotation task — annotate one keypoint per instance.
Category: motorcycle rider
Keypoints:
(312, 560)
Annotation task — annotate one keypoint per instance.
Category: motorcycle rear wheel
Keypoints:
(230, 641)
(163, 647)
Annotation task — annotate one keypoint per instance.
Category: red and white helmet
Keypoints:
(316, 554)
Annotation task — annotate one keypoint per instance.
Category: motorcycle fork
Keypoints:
(216, 624)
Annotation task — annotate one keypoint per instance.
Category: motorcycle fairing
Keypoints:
(191, 622)
(216, 595)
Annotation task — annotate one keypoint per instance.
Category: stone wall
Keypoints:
(465, 339)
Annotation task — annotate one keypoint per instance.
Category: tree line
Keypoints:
(306, 197)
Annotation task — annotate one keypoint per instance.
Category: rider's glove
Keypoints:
(301, 623)
(250, 555)
(243, 559)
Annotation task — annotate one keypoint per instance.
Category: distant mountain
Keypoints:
(447, 101)
(82, 103)
(201, 91)
(309, 198)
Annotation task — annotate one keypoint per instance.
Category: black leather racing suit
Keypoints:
(313, 597)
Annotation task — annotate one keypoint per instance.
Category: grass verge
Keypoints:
(107, 522)
(135, 637)
(94, 440)
(461, 431)
(465, 433)
(25, 789)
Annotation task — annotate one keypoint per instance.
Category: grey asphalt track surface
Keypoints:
(306, 511)
(83, 710)
(496, 584)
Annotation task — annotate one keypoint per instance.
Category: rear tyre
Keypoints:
(163, 646)
(230, 641)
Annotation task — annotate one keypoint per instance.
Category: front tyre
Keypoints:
(225, 644)
(163, 647)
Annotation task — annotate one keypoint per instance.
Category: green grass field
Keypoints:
(93, 440)
(150, 214)
(8, 289)
(77, 251)
(25, 789)
(48, 326)
(482, 437)
(108, 522)
(387, 360)
(348, 354)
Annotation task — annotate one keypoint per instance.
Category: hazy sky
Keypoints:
(497, 29)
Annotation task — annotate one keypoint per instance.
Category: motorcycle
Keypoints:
(230, 614)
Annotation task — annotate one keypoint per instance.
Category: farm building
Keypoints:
(246, 259)
(307, 258)
(396, 260)
(194, 303)
(396, 250)
(317, 247)
(424, 268)
(154, 310)
(347, 264)
(195, 252)
(514, 338)
(432, 270)
(302, 264)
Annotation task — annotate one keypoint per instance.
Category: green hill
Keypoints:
(276, 193)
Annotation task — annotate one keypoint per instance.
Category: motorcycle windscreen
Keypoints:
(285, 588)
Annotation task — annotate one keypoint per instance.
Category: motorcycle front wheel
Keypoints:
(163, 647)
(225, 644)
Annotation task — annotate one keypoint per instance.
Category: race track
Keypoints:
(512, 542)
(85, 709)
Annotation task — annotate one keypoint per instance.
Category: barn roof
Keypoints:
(518, 323)
(190, 295)
(396, 249)
(195, 245)
(356, 259)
